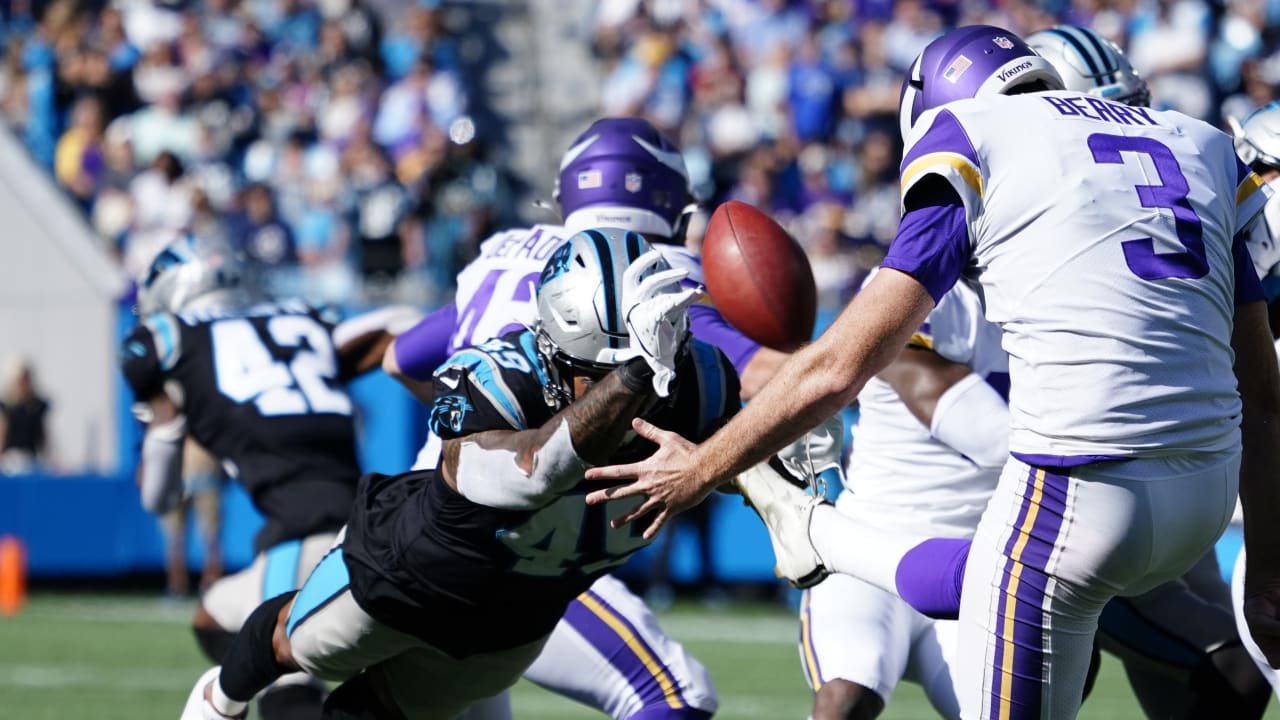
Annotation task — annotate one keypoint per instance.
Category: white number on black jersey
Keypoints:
(247, 372)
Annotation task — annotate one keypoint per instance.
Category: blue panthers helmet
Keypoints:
(191, 272)
(972, 61)
(623, 173)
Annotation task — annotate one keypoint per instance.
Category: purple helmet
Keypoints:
(623, 173)
(971, 61)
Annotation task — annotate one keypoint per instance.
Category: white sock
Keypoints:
(851, 549)
(223, 704)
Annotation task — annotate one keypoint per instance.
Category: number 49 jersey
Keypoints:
(418, 552)
(1101, 239)
(259, 388)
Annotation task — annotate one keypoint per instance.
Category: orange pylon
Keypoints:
(13, 575)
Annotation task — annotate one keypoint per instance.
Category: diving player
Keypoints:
(619, 172)
(1140, 365)
(259, 386)
(448, 582)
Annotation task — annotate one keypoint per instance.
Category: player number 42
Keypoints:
(246, 371)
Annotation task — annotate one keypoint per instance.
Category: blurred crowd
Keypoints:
(334, 148)
(792, 105)
(333, 140)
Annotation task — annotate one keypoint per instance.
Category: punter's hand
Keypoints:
(668, 480)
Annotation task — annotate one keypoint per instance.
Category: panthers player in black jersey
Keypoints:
(259, 386)
(448, 581)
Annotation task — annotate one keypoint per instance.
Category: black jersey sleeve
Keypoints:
(496, 386)
(719, 393)
(150, 349)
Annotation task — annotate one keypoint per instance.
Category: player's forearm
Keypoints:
(526, 469)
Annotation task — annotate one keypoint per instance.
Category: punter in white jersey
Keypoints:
(1178, 642)
(624, 173)
(1106, 243)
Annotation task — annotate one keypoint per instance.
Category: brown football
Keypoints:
(758, 277)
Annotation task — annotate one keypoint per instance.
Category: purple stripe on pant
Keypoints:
(1019, 660)
(619, 654)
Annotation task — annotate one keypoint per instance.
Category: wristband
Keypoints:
(636, 376)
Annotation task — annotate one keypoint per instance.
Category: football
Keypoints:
(758, 277)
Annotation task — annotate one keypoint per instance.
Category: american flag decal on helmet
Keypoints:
(956, 69)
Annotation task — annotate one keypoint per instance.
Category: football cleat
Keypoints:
(786, 510)
(198, 707)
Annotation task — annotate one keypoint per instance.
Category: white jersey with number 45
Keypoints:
(1101, 240)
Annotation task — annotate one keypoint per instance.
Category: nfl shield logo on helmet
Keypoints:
(588, 179)
(632, 182)
(1003, 42)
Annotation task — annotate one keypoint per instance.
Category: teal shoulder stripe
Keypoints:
(486, 376)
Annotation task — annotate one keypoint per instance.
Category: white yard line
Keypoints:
(88, 676)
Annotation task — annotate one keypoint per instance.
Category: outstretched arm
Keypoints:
(523, 469)
(814, 384)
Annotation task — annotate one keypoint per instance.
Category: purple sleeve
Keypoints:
(1248, 286)
(932, 244)
(710, 327)
(425, 346)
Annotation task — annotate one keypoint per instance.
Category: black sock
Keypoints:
(250, 663)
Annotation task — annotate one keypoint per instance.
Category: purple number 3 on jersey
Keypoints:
(1171, 193)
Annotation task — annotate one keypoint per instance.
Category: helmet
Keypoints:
(623, 173)
(1258, 138)
(581, 293)
(972, 61)
(1092, 64)
(191, 272)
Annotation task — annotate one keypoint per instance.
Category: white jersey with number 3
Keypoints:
(1115, 282)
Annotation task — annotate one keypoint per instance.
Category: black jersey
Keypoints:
(259, 387)
(468, 578)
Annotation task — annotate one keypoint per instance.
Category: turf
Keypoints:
(131, 657)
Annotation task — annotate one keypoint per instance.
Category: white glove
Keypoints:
(657, 316)
(816, 451)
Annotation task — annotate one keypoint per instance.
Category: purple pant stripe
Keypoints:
(619, 654)
(1020, 641)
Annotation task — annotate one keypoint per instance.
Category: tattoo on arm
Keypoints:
(598, 422)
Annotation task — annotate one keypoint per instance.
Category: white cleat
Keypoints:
(786, 511)
(197, 707)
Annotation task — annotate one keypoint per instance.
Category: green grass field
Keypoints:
(131, 657)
